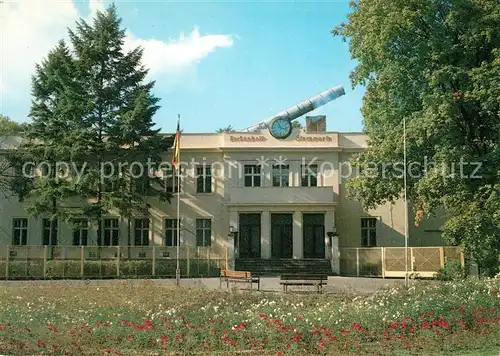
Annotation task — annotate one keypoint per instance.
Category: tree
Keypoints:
(434, 65)
(92, 110)
(9, 127)
(226, 129)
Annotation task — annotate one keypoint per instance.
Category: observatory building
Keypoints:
(251, 196)
(261, 197)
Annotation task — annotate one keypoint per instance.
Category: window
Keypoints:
(20, 231)
(368, 232)
(141, 232)
(204, 179)
(49, 238)
(252, 175)
(140, 179)
(309, 175)
(81, 233)
(203, 232)
(171, 232)
(111, 232)
(109, 178)
(281, 175)
(172, 180)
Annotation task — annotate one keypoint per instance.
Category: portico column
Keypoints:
(265, 235)
(335, 260)
(298, 241)
(232, 248)
(332, 252)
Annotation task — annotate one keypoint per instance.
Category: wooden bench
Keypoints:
(303, 279)
(238, 277)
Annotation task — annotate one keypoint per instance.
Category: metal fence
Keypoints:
(94, 262)
(390, 261)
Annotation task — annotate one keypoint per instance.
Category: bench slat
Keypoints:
(303, 277)
(239, 277)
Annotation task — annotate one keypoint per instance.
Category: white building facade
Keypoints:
(250, 196)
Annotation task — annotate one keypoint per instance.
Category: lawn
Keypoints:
(145, 317)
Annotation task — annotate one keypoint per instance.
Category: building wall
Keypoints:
(226, 153)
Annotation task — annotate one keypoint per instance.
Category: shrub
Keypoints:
(452, 270)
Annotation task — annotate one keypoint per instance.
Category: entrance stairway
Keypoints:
(276, 266)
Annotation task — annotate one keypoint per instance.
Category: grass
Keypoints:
(145, 317)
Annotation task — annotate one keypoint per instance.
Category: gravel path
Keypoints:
(336, 284)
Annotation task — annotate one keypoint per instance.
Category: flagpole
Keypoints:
(178, 270)
(406, 204)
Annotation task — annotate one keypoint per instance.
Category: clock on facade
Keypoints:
(280, 128)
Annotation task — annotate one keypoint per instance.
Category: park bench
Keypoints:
(238, 277)
(303, 279)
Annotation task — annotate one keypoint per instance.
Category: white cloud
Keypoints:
(32, 27)
(160, 56)
(28, 31)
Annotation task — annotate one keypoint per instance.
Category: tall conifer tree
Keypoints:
(93, 109)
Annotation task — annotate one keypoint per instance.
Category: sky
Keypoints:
(216, 63)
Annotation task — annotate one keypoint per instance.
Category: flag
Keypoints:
(177, 145)
(419, 214)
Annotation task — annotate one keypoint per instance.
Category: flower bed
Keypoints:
(144, 317)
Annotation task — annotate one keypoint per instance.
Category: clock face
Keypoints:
(280, 128)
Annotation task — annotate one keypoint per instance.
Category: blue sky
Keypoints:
(256, 59)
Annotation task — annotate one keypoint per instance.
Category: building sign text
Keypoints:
(313, 138)
(247, 138)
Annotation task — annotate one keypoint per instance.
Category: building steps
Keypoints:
(277, 266)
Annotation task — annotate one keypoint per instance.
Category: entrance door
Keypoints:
(249, 237)
(281, 235)
(314, 235)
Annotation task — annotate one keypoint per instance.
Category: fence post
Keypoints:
(153, 262)
(7, 259)
(357, 261)
(441, 257)
(188, 264)
(382, 253)
(26, 255)
(45, 262)
(462, 258)
(82, 261)
(118, 253)
(412, 261)
(208, 263)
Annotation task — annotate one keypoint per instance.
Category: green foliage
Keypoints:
(9, 127)
(452, 271)
(434, 65)
(149, 317)
(92, 110)
(226, 129)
